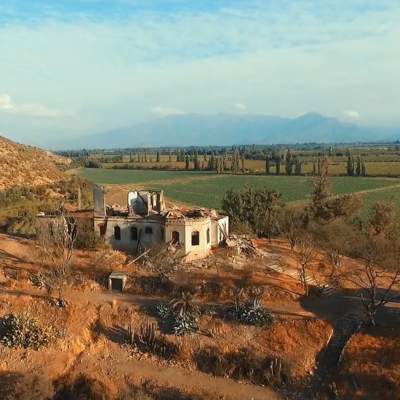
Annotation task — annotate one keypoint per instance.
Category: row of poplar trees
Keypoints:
(236, 163)
(355, 167)
(293, 165)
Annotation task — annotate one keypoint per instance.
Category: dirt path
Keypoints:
(187, 381)
(360, 192)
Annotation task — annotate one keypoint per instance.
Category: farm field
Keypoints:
(207, 189)
(336, 167)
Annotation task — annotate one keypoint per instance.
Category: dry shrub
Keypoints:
(83, 388)
(108, 259)
(242, 364)
(151, 392)
(148, 340)
(14, 386)
(371, 365)
(212, 288)
(153, 284)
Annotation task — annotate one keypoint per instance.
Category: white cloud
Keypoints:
(352, 114)
(241, 107)
(277, 58)
(161, 111)
(5, 102)
(31, 110)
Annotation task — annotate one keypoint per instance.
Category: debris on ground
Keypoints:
(243, 245)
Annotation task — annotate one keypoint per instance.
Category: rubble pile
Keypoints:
(243, 245)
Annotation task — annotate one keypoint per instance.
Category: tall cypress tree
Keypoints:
(350, 164)
(363, 169)
(288, 163)
(297, 167)
(358, 166)
(278, 165)
(187, 161)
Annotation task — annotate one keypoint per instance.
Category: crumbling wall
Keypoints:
(99, 201)
(126, 243)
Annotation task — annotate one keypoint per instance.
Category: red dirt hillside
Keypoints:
(22, 165)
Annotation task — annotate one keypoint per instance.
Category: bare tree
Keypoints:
(291, 225)
(380, 276)
(336, 239)
(163, 260)
(335, 258)
(305, 254)
(56, 237)
(373, 297)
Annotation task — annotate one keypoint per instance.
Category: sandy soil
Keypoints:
(95, 320)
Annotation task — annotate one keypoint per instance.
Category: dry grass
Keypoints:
(371, 365)
(23, 165)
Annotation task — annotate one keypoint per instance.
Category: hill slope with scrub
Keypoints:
(22, 165)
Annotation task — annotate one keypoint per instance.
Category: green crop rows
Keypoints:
(207, 190)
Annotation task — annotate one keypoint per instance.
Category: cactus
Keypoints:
(275, 370)
(146, 339)
(252, 313)
(179, 320)
(131, 335)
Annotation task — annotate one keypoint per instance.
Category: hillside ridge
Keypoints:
(22, 165)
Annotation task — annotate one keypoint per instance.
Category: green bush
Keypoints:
(21, 330)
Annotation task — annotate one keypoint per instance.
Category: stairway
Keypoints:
(327, 290)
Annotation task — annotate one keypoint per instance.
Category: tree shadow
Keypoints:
(362, 386)
(17, 386)
(115, 334)
(14, 260)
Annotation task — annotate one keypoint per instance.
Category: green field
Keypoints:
(208, 189)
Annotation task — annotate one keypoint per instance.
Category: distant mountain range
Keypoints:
(226, 129)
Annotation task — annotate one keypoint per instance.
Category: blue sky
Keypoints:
(75, 67)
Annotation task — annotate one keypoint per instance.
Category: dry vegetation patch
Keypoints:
(23, 165)
(371, 365)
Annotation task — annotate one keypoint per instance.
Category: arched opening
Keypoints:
(208, 236)
(134, 233)
(195, 238)
(117, 233)
(148, 230)
(175, 237)
(103, 229)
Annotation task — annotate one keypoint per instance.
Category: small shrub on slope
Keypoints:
(21, 330)
(252, 313)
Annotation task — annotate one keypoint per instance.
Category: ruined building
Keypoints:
(146, 222)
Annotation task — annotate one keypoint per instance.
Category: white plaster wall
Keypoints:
(184, 227)
(178, 227)
(217, 229)
(126, 244)
(203, 249)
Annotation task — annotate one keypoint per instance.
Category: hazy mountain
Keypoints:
(225, 129)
